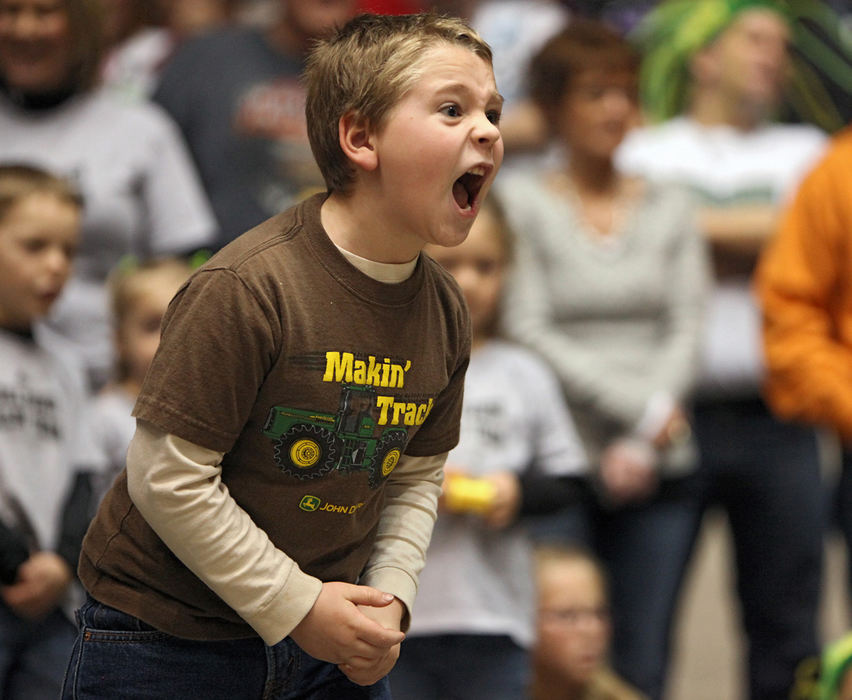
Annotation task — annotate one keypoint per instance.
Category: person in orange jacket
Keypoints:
(804, 284)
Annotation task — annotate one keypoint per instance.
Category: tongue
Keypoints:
(460, 195)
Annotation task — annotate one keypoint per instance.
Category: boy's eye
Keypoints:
(451, 110)
(494, 116)
(34, 245)
(486, 267)
(151, 324)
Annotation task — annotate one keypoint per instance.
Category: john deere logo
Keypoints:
(310, 503)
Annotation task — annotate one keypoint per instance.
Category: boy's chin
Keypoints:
(451, 237)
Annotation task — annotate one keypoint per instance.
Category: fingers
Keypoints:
(630, 484)
(507, 499)
(365, 595)
(27, 600)
(365, 671)
(373, 634)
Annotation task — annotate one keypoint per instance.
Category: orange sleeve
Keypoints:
(803, 283)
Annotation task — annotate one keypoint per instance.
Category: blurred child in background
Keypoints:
(43, 446)
(473, 621)
(569, 659)
(139, 294)
(143, 196)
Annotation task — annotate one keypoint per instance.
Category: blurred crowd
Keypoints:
(660, 293)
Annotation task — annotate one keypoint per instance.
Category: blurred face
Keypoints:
(139, 332)
(749, 61)
(35, 44)
(123, 17)
(38, 237)
(844, 690)
(312, 18)
(573, 623)
(596, 112)
(478, 265)
(188, 17)
(439, 152)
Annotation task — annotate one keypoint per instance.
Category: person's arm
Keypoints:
(399, 553)
(177, 487)
(740, 230)
(76, 515)
(37, 581)
(405, 528)
(801, 282)
(688, 279)
(41, 578)
(629, 465)
(559, 467)
(13, 553)
(542, 494)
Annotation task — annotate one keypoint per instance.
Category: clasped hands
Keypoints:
(355, 627)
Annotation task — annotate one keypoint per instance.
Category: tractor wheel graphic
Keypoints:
(306, 451)
(388, 453)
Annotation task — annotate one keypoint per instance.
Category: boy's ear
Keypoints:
(355, 137)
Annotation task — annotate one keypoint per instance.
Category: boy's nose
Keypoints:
(486, 130)
(58, 262)
(618, 102)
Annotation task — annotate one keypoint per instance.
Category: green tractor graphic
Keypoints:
(308, 445)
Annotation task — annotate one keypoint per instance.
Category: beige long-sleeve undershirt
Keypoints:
(177, 487)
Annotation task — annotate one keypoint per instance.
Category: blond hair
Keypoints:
(556, 554)
(129, 282)
(20, 180)
(365, 69)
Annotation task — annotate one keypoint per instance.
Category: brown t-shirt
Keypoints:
(312, 378)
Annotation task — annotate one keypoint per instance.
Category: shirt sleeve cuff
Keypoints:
(287, 608)
(396, 581)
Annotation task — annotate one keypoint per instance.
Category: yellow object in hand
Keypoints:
(463, 494)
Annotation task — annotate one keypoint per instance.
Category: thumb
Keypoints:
(366, 595)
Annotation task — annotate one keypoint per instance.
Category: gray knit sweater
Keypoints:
(619, 317)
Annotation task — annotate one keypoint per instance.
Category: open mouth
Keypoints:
(467, 187)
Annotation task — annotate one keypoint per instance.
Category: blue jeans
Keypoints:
(765, 475)
(461, 667)
(33, 655)
(841, 515)
(118, 656)
(645, 548)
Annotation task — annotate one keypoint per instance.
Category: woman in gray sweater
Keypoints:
(609, 286)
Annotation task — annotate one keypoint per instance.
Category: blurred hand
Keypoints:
(675, 429)
(42, 581)
(507, 499)
(628, 471)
